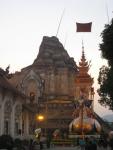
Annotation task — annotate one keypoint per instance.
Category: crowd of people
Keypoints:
(92, 143)
(87, 143)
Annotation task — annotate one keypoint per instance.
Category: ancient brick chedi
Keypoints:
(53, 70)
(50, 84)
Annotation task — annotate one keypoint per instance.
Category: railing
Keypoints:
(104, 124)
(62, 142)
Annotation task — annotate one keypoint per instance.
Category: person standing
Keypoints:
(41, 142)
(82, 143)
(88, 144)
(93, 144)
(111, 143)
(48, 141)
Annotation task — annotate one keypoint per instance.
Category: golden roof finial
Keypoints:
(83, 63)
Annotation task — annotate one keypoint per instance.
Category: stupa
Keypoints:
(84, 121)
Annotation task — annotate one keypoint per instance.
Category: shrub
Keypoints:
(6, 142)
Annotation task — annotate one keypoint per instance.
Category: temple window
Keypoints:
(7, 116)
(18, 112)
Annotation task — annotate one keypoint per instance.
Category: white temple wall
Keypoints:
(10, 114)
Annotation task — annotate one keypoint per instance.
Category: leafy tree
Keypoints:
(105, 78)
(106, 47)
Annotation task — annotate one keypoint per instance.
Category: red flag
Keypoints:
(83, 27)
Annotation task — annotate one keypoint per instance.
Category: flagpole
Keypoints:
(60, 23)
(65, 41)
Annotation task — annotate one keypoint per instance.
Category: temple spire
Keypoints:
(83, 55)
(83, 79)
(82, 45)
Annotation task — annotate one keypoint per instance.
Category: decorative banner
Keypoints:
(83, 27)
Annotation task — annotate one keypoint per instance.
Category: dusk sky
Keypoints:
(23, 23)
